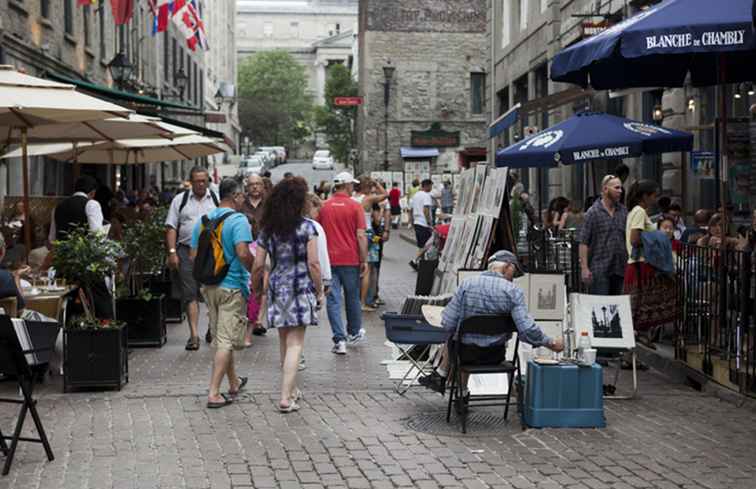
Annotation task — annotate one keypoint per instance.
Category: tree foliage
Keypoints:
(274, 106)
(337, 123)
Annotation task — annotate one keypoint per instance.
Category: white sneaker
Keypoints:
(339, 348)
(356, 339)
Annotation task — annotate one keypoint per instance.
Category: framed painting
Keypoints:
(607, 318)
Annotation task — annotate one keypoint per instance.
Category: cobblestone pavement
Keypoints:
(355, 432)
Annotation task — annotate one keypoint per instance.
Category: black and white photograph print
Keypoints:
(547, 296)
(606, 322)
(607, 318)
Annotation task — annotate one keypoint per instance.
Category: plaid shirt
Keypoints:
(605, 237)
(491, 293)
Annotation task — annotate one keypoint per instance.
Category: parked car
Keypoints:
(252, 165)
(278, 152)
(322, 160)
(268, 158)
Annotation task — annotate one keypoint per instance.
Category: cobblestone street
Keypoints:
(354, 431)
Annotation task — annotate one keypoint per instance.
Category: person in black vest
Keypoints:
(81, 209)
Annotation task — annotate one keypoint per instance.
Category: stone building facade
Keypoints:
(67, 42)
(438, 52)
(316, 33)
(523, 38)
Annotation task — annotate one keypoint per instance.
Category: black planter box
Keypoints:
(172, 311)
(95, 358)
(145, 320)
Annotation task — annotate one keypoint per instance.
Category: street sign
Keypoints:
(347, 101)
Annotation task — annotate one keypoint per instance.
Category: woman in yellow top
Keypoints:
(652, 293)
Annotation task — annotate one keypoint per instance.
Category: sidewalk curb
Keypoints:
(679, 372)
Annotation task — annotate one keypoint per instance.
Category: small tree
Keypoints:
(141, 243)
(86, 258)
(274, 106)
(337, 123)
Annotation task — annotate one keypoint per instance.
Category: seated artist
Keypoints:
(10, 282)
(490, 293)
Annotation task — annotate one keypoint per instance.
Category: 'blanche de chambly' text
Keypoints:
(600, 153)
(714, 38)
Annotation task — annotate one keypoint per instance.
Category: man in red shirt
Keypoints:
(396, 209)
(343, 221)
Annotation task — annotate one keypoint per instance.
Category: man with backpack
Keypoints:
(222, 261)
(186, 209)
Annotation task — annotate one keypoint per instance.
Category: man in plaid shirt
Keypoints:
(490, 293)
(603, 254)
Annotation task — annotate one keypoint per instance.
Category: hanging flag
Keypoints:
(85, 2)
(188, 23)
(161, 11)
(122, 10)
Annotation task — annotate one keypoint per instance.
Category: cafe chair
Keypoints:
(18, 360)
(10, 306)
(484, 325)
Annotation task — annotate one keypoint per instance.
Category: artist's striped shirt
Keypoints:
(491, 293)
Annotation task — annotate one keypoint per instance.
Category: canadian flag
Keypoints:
(188, 22)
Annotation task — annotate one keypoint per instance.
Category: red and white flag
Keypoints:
(189, 24)
(161, 10)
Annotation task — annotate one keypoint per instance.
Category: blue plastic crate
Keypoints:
(564, 396)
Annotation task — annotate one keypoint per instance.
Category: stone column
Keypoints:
(320, 82)
(673, 172)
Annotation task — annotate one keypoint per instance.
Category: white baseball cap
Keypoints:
(344, 177)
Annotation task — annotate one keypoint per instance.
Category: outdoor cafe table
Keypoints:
(47, 302)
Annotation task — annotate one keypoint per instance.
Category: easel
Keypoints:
(13, 361)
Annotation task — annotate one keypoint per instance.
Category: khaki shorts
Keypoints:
(228, 318)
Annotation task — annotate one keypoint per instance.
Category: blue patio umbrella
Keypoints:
(713, 40)
(592, 136)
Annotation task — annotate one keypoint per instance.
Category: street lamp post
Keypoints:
(388, 74)
(180, 79)
(120, 69)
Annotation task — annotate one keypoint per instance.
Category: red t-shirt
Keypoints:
(394, 195)
(341, 217)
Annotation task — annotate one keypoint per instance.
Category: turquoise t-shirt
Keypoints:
(236, 230)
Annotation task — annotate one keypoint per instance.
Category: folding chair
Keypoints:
(14, 361)
(406, 332)
(484, 325)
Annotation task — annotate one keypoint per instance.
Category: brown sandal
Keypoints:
(192, 344)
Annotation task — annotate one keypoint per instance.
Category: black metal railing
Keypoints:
(715, 295)
(549, 253)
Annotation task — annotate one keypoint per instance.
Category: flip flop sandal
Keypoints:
(192, 344)
(293, 406)
(242, 384)
(259, 330)
(297, 396)
(219, 404)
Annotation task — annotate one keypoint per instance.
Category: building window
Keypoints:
(101, 22)
(268, 29)
(174, 58)
(506, 20)
(87, 34)
(44, 8)
(294, 29)
(201, 101)
(68, 17)
(523, 14)
(477, 92)
(544, 5)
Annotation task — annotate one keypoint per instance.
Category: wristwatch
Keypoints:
(172, 251)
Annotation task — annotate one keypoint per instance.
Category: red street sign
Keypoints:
(347, 101)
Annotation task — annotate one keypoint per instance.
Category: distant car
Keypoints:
(252, 165)
(278, 153)
(322, 160)
(268, 157)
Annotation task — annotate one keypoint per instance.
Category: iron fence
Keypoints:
(715, 294)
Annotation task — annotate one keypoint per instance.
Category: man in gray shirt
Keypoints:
(186, 210)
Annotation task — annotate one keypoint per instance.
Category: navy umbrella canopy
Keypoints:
(713, 40)
(592, 136)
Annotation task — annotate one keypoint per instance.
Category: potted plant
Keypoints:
(139, 305)
(160, 283)
(94, 349)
